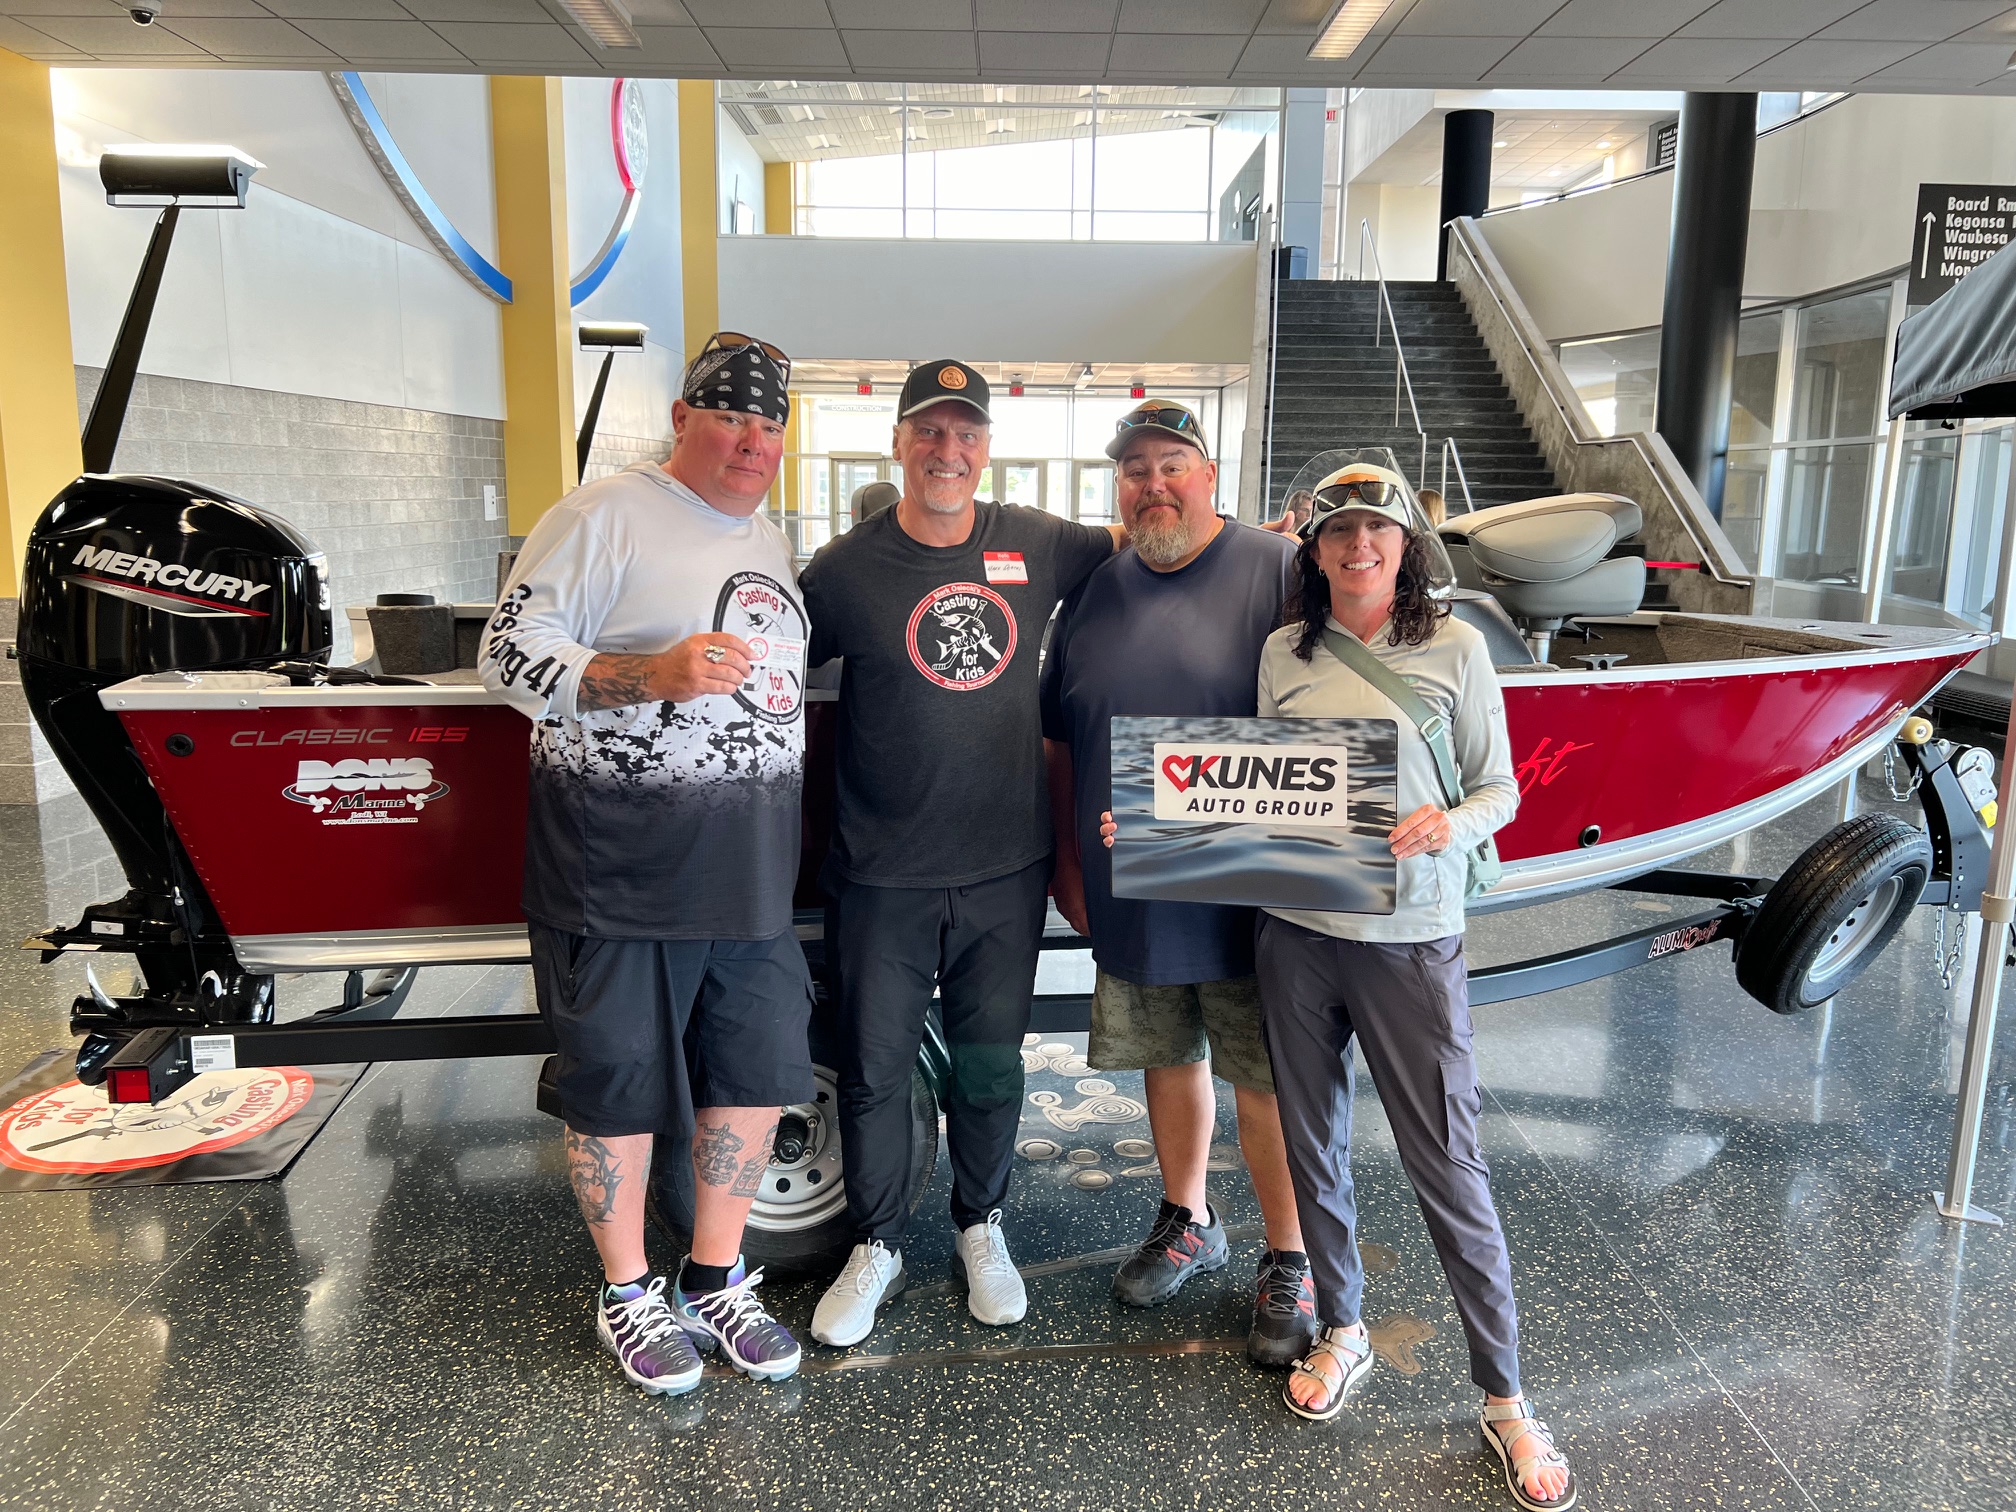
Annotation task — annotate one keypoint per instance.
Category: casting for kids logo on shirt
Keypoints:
(962, 636)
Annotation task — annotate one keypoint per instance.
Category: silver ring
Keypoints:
(716, 654)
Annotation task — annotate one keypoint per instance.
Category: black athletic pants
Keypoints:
(889, 947)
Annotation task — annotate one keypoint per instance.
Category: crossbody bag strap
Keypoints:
(1433, 727)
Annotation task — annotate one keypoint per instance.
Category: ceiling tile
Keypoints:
(1055, 53)
(902, 15)
(1789, 20)
(1211, 57)
(912, 49)
(1288, 57)
(115, 37)
(657, 13)
(811, 15)
(669, 47)
(18, 36)
(1622, 18)
(1475, 18)
(747, 47)
(181, 10)
(1807, 65)
(2002, 26)
(1296, 17)
(1949, 63)
(1046, 15)
(513, 42)
(1455, 59)
(1915, 20)
(246, 39)
(492, 11)
(97, 10)
(1696, 61)
(1160, 17)
(1568, 57)
(339, 10)
(382, 41)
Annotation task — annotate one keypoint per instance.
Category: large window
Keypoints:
(1015, 162)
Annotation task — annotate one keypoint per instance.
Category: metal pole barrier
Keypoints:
(1878, 557)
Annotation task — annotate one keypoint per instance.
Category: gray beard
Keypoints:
(947, 508)
(1163, 545)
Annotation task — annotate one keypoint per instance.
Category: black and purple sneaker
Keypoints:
(635, 1324)
(1284, 1311)
(750, 1339)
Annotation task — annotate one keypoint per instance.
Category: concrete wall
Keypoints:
(992, 301)
(1831, 205)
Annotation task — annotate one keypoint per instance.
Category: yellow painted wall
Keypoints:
(528, 151)
(780, 199)
(39, 449)
(700, 263)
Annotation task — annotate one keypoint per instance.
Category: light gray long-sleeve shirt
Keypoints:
(1452, 672)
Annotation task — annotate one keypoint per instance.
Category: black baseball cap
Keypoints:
(935, 382)
(1165, 416)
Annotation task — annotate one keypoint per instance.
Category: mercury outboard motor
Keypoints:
(125, 576)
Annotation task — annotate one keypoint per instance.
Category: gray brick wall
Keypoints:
(28, 769)
(612, 454)
(393, 496)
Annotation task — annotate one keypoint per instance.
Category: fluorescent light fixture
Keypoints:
(1347, 27)
(606, 22)
(2010, 66)
(204, 177)
(612, 336)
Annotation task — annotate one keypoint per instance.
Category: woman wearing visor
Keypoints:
(1396, 983)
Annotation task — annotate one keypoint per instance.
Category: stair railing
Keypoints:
(1451, 449)
(1401, 377)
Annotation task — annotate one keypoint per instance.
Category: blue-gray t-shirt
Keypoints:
(1134, 641)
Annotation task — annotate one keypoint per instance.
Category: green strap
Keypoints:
(1434, 729)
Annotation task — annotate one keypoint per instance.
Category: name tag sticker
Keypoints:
(774, 657)
(1005, 567)
(1251, 784)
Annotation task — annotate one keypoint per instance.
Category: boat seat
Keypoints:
(1487, 616)
(1548, 560)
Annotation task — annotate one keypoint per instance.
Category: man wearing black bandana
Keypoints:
(653, 632)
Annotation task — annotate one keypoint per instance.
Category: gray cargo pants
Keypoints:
(1409, 1008)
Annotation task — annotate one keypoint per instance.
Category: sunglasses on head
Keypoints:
(1167, 416)
(735, 341)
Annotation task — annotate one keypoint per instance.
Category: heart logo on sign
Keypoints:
(1177, 770)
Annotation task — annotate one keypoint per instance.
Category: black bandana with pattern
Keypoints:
(747, 379)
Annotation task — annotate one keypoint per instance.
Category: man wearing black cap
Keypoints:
(940, 867)
(652, 631)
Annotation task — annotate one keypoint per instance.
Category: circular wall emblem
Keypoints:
(628, 134)
(962, 636)
(760, 610)
(952, 378)
(73, 1129)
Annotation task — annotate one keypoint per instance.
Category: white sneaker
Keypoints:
(994, 1291)
(846, 1314)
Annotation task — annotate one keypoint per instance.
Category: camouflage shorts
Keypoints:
(1135, 1028)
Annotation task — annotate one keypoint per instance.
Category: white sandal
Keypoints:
(1353, 1354)
(1518, 1467)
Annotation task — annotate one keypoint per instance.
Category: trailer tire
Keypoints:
(800, 1223)
(1832, 912)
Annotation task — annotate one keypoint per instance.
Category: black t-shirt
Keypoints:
(940, 767)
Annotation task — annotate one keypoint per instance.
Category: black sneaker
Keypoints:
(1284, 1311)
(1175, 1250)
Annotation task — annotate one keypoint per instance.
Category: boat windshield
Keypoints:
(1302, 492)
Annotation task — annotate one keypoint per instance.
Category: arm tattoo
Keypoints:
(595, 1174)
(750, 1182)
(614, 682)
(715, 1147)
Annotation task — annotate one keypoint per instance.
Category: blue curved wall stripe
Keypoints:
(474, 261)
(591, 280)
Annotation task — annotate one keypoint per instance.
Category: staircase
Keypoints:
(1334, 388)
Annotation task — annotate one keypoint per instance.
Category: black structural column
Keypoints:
(1704, 284)
(1466, 173)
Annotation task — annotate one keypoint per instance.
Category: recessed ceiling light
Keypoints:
(1347, 28)
(606, 22)
(1603, 144)
(1501, 144)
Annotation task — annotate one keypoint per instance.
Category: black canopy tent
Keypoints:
(1956, 360)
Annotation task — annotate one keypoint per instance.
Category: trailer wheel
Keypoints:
(799, 1221)
(1832, 912)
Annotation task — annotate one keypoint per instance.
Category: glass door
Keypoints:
(1017, 481)
(850, 474)
(1092, 493)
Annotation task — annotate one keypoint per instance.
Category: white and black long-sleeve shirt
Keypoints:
(657, 820)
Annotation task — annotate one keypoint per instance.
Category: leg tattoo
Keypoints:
(750, 1181)
(715, 1147)
(595, 1174)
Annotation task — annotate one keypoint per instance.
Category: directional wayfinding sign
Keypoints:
(1959, 226)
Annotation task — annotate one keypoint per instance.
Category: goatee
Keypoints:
(1163, 545)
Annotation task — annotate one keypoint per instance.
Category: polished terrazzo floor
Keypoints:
(1734, 1290)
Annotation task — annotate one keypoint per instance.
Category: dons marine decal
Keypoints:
(367, 790)
(1248, 783)
(173, 587)
(962, 636)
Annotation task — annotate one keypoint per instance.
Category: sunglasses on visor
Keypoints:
(735, 341)
(1374, 492)
(1168, 417)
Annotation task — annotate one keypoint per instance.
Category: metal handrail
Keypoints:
(1449, 449)
(1400, 373)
